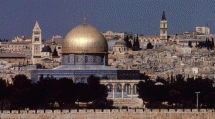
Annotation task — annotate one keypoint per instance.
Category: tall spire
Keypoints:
(163, 16)
(36, 27)
(85, 21)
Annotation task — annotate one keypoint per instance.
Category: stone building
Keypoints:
(109, 35)
(85, 53)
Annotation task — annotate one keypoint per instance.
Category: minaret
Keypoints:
(163, 28)
(36, 43)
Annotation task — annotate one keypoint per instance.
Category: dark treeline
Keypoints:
(49, 93)
(4, 40)
(207, 44)
(177, 93)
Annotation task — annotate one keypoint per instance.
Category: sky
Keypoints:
(58, 17)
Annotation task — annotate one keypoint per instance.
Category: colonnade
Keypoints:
(122, 86)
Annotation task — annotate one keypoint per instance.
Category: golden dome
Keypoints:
(84, 39)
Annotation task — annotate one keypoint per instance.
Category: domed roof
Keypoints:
(120, 42)
(112, 43)
(84, 39)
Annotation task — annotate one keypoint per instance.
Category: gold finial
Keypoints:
(85, 21)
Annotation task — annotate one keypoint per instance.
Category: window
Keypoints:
(36, 39)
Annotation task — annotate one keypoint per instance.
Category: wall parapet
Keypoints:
(66, 111)
(109, 113)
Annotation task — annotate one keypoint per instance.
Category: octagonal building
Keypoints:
(85, 53)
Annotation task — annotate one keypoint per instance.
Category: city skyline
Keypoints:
(139, 17)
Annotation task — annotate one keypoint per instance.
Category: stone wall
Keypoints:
(109, 114)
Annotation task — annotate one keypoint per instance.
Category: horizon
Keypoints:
(139, 17)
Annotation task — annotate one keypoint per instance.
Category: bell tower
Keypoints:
(36, 43)
(163, 28)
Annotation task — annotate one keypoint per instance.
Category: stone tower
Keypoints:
(36, 44)
(163, 28)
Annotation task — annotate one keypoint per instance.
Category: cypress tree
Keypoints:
(137, 42)
(136, 45)
(190, 44)
(55, 52)
(128, 43)
(212, 44)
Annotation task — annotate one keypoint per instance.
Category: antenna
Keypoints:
(85, 20)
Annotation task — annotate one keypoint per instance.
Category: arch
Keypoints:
(83, 80)
(134, 89)
(110, 87)
(118, 87)
(127, 88)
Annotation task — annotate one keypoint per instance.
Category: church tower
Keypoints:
(36, 44)
(163, 28)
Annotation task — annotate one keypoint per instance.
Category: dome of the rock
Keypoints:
(84, 39)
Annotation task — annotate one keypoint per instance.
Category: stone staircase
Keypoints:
(127, 102)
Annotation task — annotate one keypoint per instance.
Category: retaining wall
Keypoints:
(109, 114)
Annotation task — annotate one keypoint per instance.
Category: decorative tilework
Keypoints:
(65, 59)
(68, 59)
(98, 59)
(86, 58)
(90, 58)
(76, 58)
(94, 59)
(71, 58)
(81, 59)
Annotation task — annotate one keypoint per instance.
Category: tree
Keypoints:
(136, 44)
(128, 42)
(190, 44)
(66, 95)
(39, 66)
(55, 53)
(21, 95)
(98, 92)
(144, 77)
(47, 90)
(149, 46)
(3, 92)
(145, 90)
(179, 92)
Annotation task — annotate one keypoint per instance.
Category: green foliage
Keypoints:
(128, 43)
(136, 44)
(178, 92)
(149, 46)
(48, 91)
(55, 52)
(190, 44)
